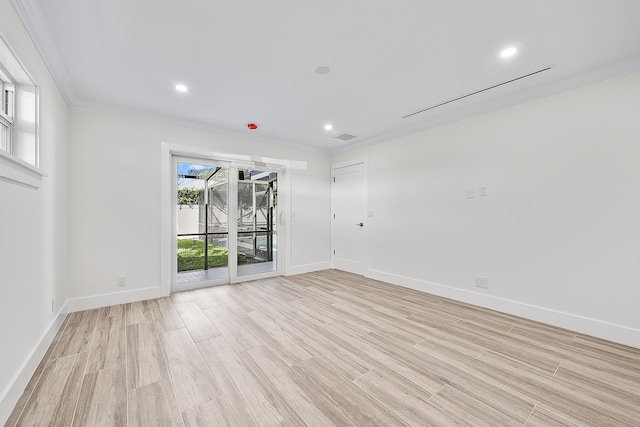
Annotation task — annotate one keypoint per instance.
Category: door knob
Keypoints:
(361, 224)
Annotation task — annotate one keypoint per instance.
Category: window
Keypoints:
(18, 121)
(7, 107)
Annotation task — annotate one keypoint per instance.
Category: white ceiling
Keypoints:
(254, 61)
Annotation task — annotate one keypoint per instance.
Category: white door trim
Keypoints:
(175, 159)
(334, 166)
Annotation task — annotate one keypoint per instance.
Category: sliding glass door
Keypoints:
(202, 243)
(221, 206)
(256, 221)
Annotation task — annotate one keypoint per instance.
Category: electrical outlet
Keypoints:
(122, 281)
(482, 282)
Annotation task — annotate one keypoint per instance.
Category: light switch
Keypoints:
(482, 190)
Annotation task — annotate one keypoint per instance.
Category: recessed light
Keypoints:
(181, 88)
(328, 126)
(323, 69)
(508, 52)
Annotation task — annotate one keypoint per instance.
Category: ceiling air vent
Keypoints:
(477, 92)
(344, 136)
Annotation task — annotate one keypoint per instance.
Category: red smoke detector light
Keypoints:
(252, 126)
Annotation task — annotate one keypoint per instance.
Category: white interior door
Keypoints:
(349, 201)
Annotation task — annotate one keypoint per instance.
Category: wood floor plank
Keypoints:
(465, 410)
(328, 314)
(145, 360)
(400, 302)
(154, 405)
(320, 296)
(53, 402)
(232, 328)
(103, 399)
(272, 335)
(197, 323)
(299, 401)
(139, 312)
(289, 293)
(165, 315)
(477, 316)
(78, 335)
(355, 406)
(226, 303)
(210, 297)
(578, 405)
(108, 346)
(374, 321)
(588, 350)
(617, 351)
(461, 375)
(403, 398)
(541, 417)
(539, 333)
(522, 350)
(216, 412)
(627, 397)
(251, 400)
(119, 310)
(354, 299)
(615, 382)
(343, 356)
(191, 377)
(436, 337)
(374, 358)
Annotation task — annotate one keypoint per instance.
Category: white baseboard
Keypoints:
(584, 325)
(105, 300)
(308, 268)
(18, 383)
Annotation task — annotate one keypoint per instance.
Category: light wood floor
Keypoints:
(325, 348)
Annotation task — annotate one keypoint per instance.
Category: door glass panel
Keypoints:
(202, 216)
(256, 222)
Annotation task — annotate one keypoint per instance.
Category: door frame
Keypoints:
(168, 200)
(175, 159)
(365, 166)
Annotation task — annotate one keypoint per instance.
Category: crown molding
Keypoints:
(38, 29)
(163, 120)
(551, 88)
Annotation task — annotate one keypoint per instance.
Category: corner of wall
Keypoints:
(106, 300)
(308, 268)
(13, 393)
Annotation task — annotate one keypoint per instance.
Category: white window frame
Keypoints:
(19, 116)
(7, 108)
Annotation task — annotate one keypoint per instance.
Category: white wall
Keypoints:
(33, 234)
(115, 201)
(558, 235)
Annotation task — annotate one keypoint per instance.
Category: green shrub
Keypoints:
(188, 196)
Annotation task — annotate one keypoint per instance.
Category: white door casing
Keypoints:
(349, 215)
